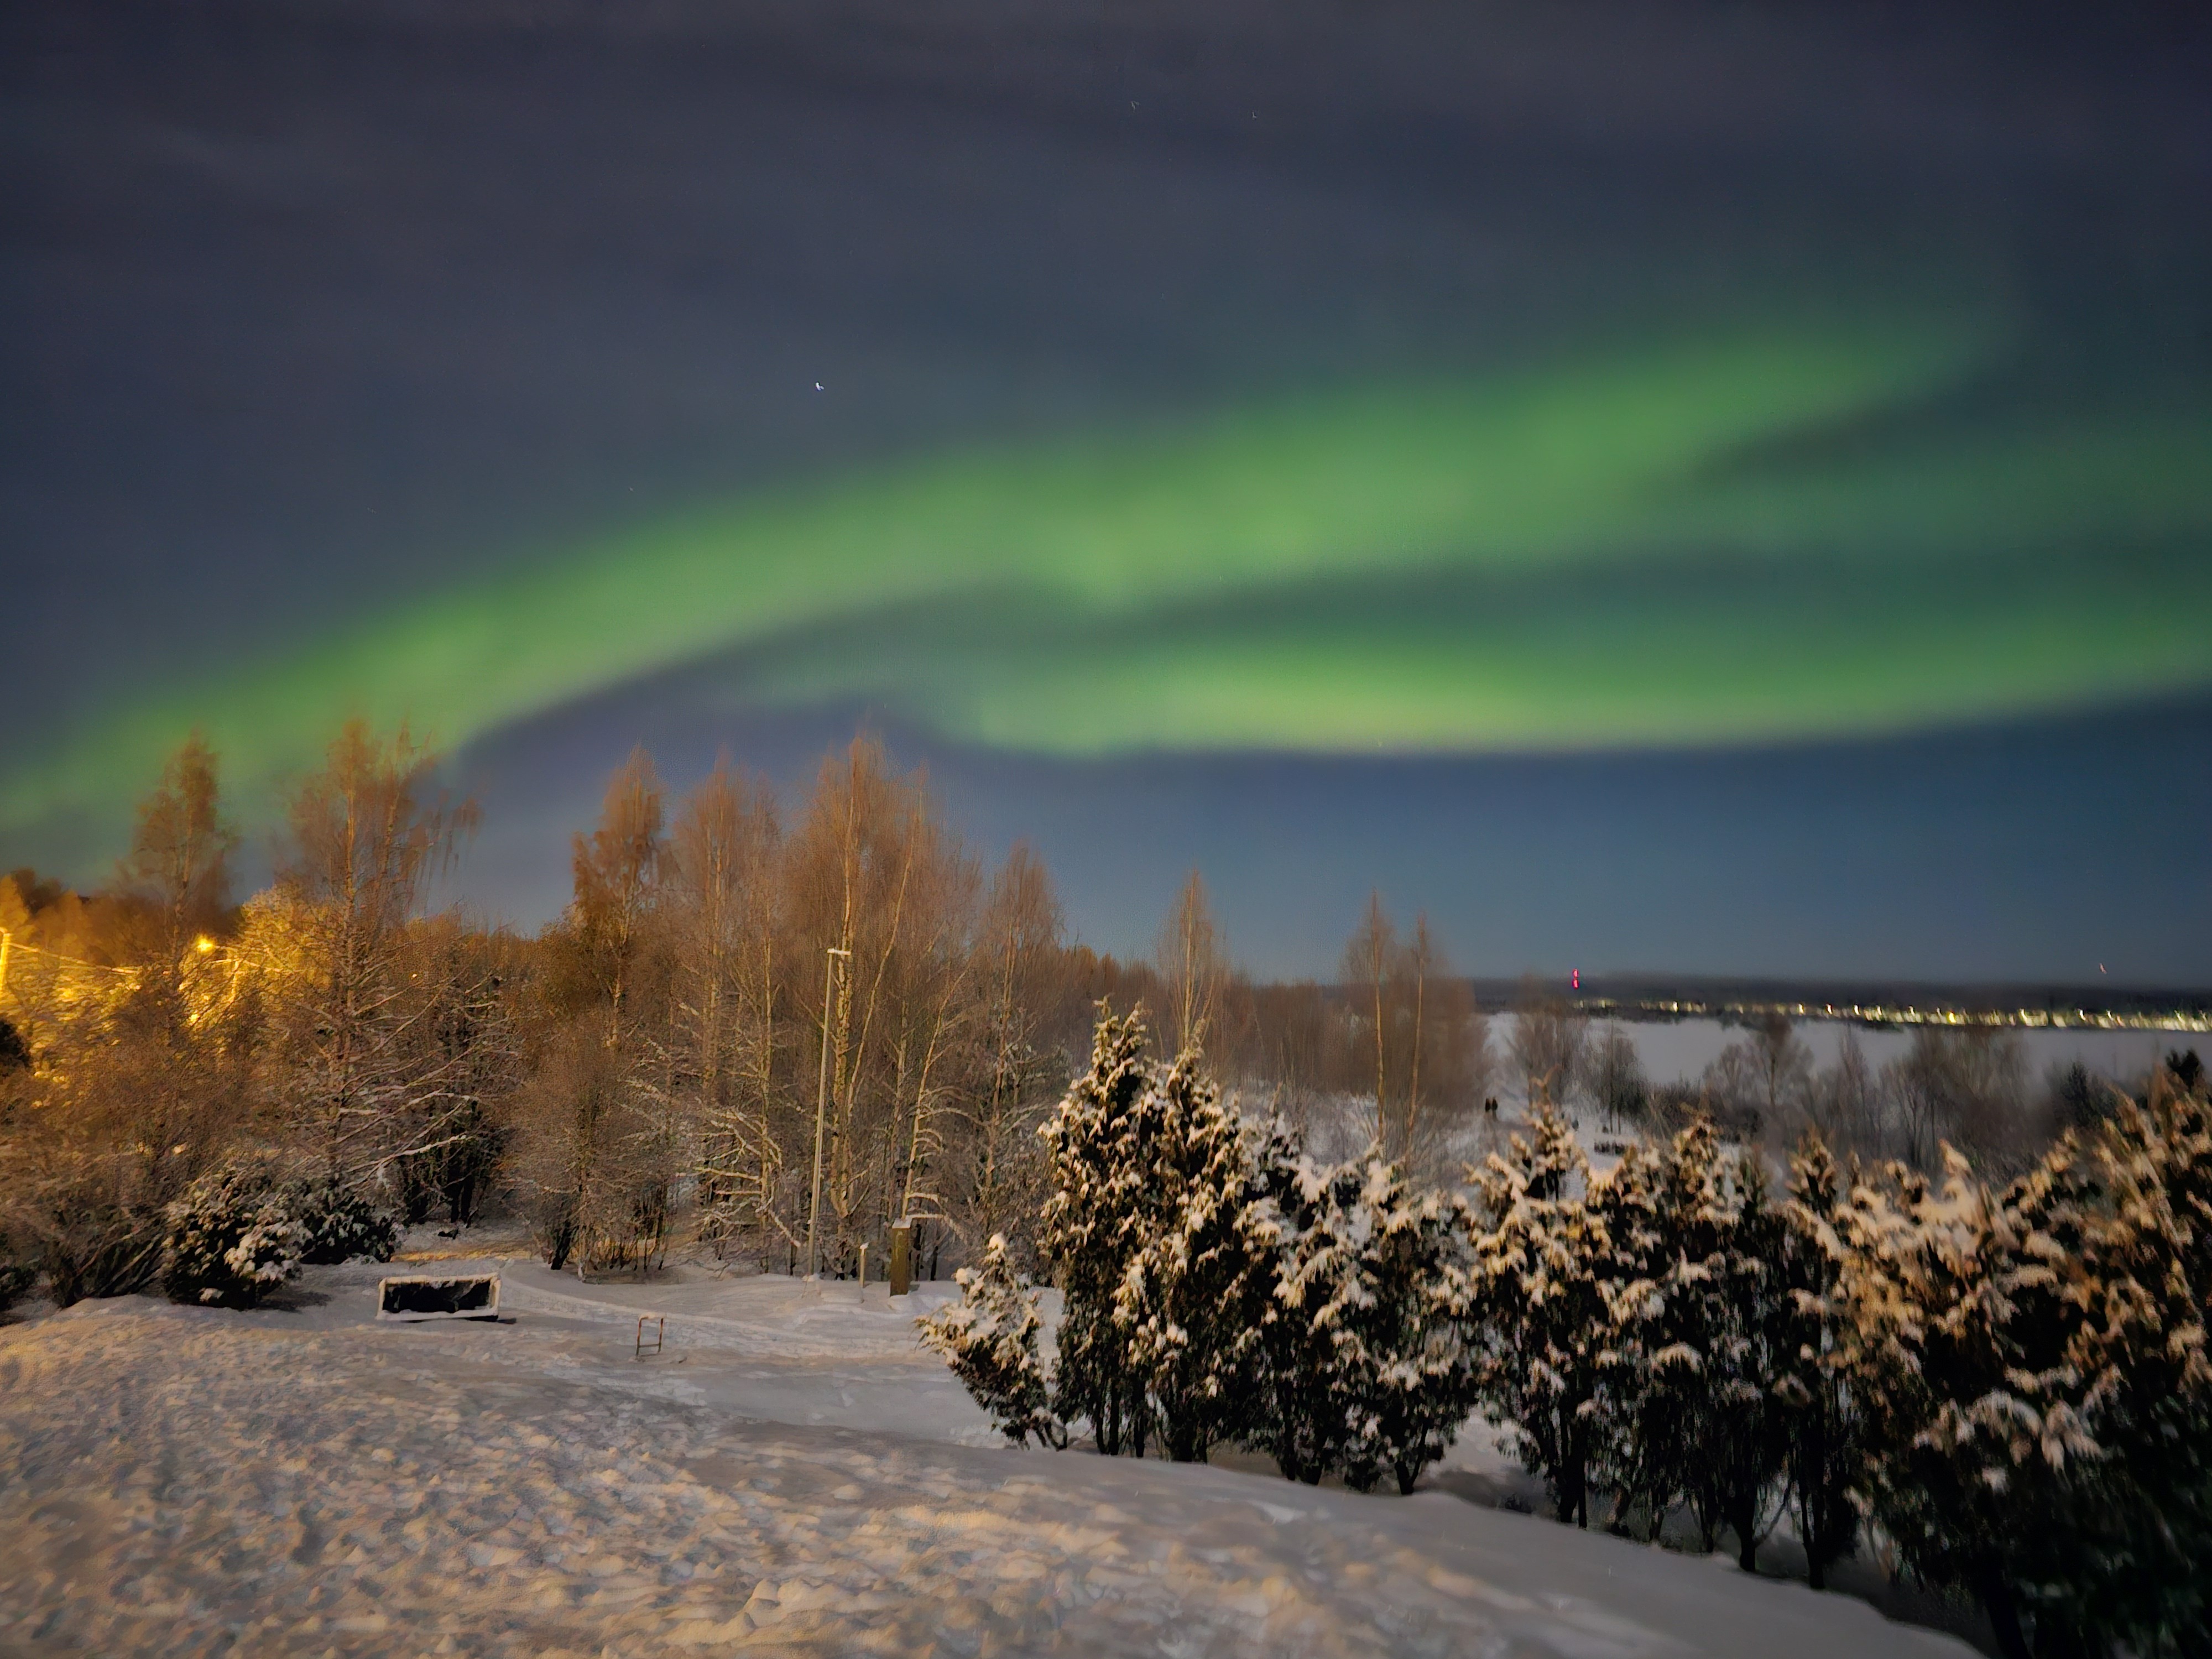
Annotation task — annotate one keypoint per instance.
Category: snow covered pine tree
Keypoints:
(1191, 1300)
(1369, 1368)
(1307, 1410)
(1825, 1457)
(1976, 1362)
(1091, 1229)
(1416, 1364)
(1541, 1273)
(1698, 1317)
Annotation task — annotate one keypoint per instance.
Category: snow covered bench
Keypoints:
(438, 1295)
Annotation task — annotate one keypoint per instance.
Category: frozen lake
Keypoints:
(1679, 1049)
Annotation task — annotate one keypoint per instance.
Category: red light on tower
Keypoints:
(1577, 978)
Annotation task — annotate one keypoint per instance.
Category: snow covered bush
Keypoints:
(339, 1224)
(989, 1339)
(2144, 1576)
(1416, 1365)
(1634, 1329)
(17, 1275)
(1739, 1478)
(231, 1241)
(2012, 1382)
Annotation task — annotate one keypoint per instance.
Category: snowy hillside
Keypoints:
(794, 1474)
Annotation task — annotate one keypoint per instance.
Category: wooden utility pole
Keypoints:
(821, 1116)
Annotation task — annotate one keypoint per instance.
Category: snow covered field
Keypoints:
(794, 1474)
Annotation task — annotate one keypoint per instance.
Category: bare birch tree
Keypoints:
(721, 901)
(1193, 960)
(369, 832)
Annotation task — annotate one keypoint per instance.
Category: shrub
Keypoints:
(17, 1275)
(338, 1223)
(231, 1241)
(989, 1339)
(92, 1246)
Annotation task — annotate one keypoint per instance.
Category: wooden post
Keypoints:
(901, 1257)
(864, 1267)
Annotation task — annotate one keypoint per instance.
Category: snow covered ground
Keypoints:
(793, 1474)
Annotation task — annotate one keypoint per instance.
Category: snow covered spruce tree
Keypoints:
(1093, 1228)
(2032, 1365)
(1191, 1299)
(1740, 1481)
(1542, 1273)
(1160, 1249)
(2144, 1576)
(1160, 1246)
(1821, 1421)
(1699, 1334)
(1218, 1284)
(1306, 1414)
(1368, 1367)
(1410, 1329)
(1977, 1362)
(989, 1339)
(1643, 1433)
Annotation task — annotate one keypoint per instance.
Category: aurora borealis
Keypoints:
(1391, 428)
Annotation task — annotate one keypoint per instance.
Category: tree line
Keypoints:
(732, 970)
(2008, 1380)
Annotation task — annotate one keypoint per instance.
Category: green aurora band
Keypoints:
(1745, 538)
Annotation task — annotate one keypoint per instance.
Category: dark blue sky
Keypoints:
(316, 311)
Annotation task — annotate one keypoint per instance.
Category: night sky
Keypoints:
(1714, 488)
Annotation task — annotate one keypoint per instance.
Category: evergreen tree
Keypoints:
(989, 1339)
(1190, 1303)
(1369, 1368)
(1310, 1213)
(1822, 1428)
(1739, 1478)
(1966, 1308)
(2146, 1533)
(1696, 1356)
(1644, 1437)
(1541, 1271)
(1411, 1357)
(1098, 1146)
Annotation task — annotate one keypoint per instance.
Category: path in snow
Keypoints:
(186, 1481)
